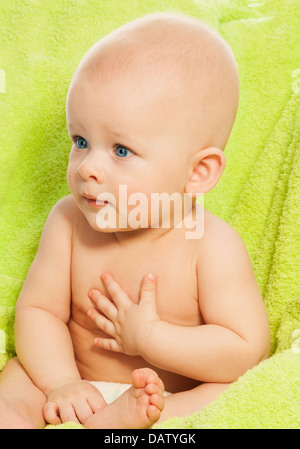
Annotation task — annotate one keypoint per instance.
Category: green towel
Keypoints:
(259, 193)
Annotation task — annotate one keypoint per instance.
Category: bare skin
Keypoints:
(139, 407)
(211, 323)
(143, 403)
(94, 363)
(20, 401)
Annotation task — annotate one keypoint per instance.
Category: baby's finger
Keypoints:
(96, 401)
(82, 410)
(107, 343)
(102, 322)
(118, 295)
(104, 304)
(67, 413)
(148, 289)
(50, 412)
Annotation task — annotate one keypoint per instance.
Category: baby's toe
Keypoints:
(143, 376)
(157, 400)
(153, 413)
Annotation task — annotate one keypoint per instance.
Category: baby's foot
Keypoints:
(12, 417)
(139, 407)
(145, 399)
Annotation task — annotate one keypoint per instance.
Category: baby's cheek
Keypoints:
(134, 206)
(70, 178)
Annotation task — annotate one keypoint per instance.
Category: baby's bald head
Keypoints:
(174, 53)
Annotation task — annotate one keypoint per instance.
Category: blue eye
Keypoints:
(81, 143)
(123, 151)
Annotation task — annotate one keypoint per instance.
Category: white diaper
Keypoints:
(112, 390)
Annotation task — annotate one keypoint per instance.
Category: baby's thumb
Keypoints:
(148, 289)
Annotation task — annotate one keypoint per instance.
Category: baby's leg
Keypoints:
(139, 407)
(21, 402)
(190, 401)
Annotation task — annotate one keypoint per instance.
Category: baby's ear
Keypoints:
(206, 169)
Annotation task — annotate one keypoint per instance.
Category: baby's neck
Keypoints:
(152, 235)
(141, 237)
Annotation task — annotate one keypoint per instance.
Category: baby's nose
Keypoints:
(91, 168)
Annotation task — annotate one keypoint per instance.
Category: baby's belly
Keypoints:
(100, 365)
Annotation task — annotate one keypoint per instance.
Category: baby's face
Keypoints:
(125, 134)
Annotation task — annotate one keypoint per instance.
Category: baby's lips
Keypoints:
(101, 203)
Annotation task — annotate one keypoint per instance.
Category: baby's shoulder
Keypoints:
(65, 211)
(66, 204)
(219, 237)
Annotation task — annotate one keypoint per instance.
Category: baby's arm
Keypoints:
(43, 342)
(235, 335)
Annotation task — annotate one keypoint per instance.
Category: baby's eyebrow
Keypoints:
(74, 126)
(126, 139)
(119, 135)
(111, 130)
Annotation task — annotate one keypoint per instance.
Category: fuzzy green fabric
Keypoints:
(259, 193)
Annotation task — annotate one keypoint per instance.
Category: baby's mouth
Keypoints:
(94, 202)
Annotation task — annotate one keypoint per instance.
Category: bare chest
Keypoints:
(173, 267)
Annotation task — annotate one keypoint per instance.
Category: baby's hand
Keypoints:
(128, 324)
(74, 400)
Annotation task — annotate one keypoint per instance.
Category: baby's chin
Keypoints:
(110, 229)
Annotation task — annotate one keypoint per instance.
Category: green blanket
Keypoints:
(259, 193)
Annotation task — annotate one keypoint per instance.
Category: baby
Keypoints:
(114, 294)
